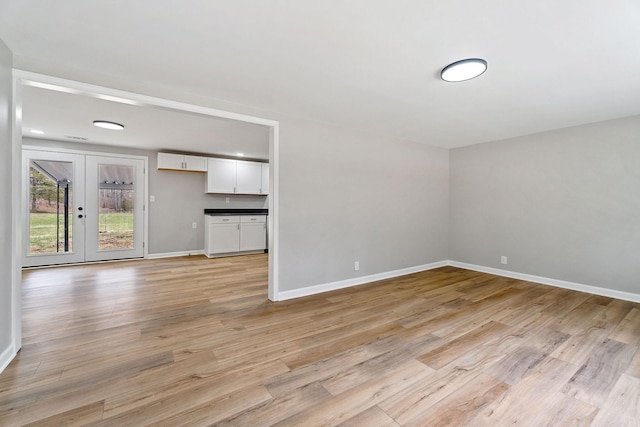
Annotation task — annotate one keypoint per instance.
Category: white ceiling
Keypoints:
(69, 117)
(364, 64)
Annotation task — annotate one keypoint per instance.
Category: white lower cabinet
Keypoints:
(253, 233)
(235, 234)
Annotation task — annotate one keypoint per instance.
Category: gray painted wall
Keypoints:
(180, 200)
(6, 245)
(346, 196)
(563, 204)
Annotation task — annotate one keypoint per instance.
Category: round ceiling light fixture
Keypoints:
(108, 125)
(465, 69)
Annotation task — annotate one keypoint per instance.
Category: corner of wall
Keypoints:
(7, 356)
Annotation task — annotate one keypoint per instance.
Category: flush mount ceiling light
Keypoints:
(465, 69)
(108, 125)
(37, 132)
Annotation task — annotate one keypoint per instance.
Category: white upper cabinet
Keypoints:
(265, 178)
(248, 177)
(221, 176)
(237, 177)
(182, 162)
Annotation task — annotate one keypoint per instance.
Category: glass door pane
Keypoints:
(116, 205)
(115, 216)
(50, 207)
(52, 203)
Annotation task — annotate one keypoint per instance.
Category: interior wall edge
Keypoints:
(175, 254)
(7, 356)
(594, 290)
(341, 284)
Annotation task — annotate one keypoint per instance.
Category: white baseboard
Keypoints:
(174, 254)
(611, 293)
(6, 357)
(326, 287)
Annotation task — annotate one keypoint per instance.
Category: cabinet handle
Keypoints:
(238, 226)
(234, 189)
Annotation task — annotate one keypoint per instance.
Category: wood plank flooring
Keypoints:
(194, 341)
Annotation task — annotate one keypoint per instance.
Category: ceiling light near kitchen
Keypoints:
(108, 125)
(465, 69)
(37, 132)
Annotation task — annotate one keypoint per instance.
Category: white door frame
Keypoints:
(26, 78)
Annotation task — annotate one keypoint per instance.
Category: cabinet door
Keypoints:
(195, 163)
(248, 177)
(221, 175)
(253, 236)
(265, 178)
(224, 238)
(170, 161)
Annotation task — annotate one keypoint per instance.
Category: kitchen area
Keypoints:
(233, 200)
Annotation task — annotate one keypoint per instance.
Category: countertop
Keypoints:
(236, 211)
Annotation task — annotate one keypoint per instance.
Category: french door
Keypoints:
(81, 207)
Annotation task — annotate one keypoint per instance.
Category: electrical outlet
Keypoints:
(503, 260)
(194, 225)
(226, 200)
(152, 198)
(356, 265)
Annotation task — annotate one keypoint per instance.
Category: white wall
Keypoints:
(6, 248)
(563, 205)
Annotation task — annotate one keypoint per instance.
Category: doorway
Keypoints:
(81, 207)
(22, 79)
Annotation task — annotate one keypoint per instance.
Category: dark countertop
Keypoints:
(232, 211)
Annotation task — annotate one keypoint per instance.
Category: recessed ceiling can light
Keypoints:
(108, 125)
(240, 154)
(37, 132)
(465, 69)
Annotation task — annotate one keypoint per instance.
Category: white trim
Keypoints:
(326, 287)
(611, 293)
(7, 356)
(174, 254)
(43, 81)
(16, 220)
(84, 152)
(274, 212)
(28, 78)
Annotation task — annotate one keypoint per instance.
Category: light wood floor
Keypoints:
(194, 341)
